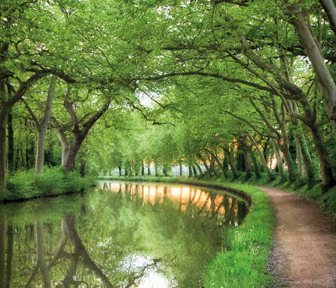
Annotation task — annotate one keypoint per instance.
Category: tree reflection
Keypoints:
(211, 204)
(86, 242)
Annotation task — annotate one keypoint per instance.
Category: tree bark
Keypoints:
(291, 169)
(325, 164)
(199, 169)
(43, 125)
(64, 145)
(80, 133)
(194, 170)
(255, 164)
(262, 158)
(10, 142)
(205, 164)
(148, 168)
(220, 165)
(312, 49)
(190, 171)
(307, 161)
(330, 10)
(279, 162)
(3, 140)
(142, 168)
(72, 152)
(228, 153)
(322, 152)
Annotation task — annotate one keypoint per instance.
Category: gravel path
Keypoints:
(304, 254)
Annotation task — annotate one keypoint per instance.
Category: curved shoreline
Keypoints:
(206, 184)
(244, 263)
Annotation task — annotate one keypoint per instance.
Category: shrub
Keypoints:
(22, 185)
(328, 202)
(51, 181)
(54, 181)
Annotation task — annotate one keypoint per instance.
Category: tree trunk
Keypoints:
(291, 169)
(142, 168)
(3, 153)
(64, 145)
(322, 153)
(190, 171)
(220, 165)
(205, 164)
(72, 153)
(199, 169)
(229, 153)
(330, 10)
(312, 49)
(255, 164)
(10, 142)
(181, 168)
(299, 157)
(80, 134)
(3, 142)
(307, 161)
(194, 170)
(148, 168)
(247, 159)
(5, 106)
(279, 162)
(325, 164)
(42, 127)
(262, 158)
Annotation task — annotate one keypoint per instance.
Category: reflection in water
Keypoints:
(144, 236)
(224, 207)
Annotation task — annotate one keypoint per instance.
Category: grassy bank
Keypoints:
(326, 201)
(244, 262)
(25, 185)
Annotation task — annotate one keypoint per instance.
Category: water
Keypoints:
(120, 235)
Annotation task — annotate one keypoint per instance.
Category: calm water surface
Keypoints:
(120, 235)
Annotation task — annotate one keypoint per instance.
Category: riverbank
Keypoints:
(244, 262)
(27, 185)
(325, 201)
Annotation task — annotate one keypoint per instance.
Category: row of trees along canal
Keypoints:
(230, 85)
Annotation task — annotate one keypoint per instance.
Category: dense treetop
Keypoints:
(224, 85)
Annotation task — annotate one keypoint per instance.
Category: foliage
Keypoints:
(54, 181)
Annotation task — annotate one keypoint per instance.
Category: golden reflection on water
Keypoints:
(184, 196)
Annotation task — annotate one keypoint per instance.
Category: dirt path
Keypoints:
(305, 248)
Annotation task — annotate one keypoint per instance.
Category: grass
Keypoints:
(26, 185)
(326, 201)
(244, 262)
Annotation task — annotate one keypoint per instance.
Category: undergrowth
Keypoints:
(54, 181)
